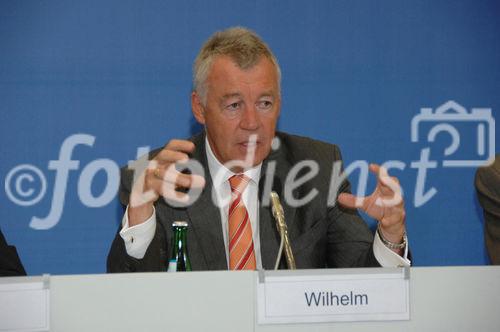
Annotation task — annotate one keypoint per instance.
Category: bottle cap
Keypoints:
(179, 224)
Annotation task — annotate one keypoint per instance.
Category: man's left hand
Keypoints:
(385, 204)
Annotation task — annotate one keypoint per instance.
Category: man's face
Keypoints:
(240, 103)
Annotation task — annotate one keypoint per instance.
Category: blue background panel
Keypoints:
(355, 73)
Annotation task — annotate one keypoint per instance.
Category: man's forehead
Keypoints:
(230, 80)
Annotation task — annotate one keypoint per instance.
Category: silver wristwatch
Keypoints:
(392, 245)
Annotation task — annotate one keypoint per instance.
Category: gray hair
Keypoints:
(242, 45)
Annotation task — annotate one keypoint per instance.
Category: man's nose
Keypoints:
(249, 119)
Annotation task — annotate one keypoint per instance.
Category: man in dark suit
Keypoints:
(488, 192)
(237, 98)
(10, 264)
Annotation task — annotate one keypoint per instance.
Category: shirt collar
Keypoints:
(215, 167)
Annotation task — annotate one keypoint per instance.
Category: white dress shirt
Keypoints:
(137, 238)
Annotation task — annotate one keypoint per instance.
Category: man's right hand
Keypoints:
(162, 179)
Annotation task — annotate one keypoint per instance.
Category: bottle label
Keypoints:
(172, 265)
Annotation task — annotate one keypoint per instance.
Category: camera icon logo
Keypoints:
(472, 133)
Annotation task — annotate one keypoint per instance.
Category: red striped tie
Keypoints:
(241, 251)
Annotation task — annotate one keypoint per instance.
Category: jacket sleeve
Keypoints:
(350, 241)
(10, 264)
(488, 192)
(155, 258)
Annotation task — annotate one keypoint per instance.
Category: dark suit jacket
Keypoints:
(488, 192)
(10, 264)
(320, 236)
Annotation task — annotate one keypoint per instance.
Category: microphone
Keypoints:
(279, 215)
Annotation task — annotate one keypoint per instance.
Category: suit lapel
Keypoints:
(205, 216)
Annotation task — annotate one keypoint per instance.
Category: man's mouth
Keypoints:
(249, 144)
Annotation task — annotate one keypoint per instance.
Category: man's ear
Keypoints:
(197, 108)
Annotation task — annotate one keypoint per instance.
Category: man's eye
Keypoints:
(233, 106)
(265, 105)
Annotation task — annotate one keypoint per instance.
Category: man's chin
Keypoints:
(243, 162)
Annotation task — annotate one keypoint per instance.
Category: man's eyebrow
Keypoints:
(230, 95)
(268, 93)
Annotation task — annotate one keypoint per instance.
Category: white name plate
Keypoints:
(337, 295)
(24, 304)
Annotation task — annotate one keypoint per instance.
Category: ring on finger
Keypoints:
(156, 173)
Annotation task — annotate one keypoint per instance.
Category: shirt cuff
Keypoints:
(137, 238)
(388, 258)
